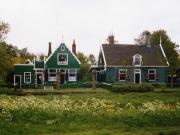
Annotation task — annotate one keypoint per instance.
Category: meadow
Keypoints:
(102, 113)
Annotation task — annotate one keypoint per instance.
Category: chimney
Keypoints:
(147, 38)
(74, 47)
(49, 49)
(111, 39)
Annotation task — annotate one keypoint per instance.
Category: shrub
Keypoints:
(132, 88)
(5, 90)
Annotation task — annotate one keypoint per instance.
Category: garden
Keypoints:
(102, 113)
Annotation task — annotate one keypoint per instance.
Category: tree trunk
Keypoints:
(171, 81)
(58, 80)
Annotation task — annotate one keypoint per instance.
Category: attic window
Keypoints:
(137, 60)
(62, 48)
(62, 59)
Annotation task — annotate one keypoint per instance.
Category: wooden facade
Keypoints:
(37, 74)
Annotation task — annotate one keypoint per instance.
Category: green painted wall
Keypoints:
(20, 69)
(112, 71)
(72, 62)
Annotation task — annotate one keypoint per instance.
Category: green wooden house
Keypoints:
(43, 73)
(131, 63)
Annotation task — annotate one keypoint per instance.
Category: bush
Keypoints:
(132, 88)
(5, 90)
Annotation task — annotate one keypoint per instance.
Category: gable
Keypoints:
(52, 61)
(120, 55)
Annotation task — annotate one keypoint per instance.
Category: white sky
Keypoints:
(36, 22)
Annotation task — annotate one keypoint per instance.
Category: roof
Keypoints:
(122, 54)
(39, 64)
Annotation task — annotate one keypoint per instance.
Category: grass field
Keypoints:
(102, 113)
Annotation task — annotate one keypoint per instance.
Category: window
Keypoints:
(137, 60)
(62, 48)
(72, 75)
(62, 59)
(27, 77)
(52, 75)
(152, 74)
(122, 74)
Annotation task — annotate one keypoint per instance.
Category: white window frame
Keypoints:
(122, 73)
(137, 71)
(59, 63)
(51, 79)
(72, 78)
(25, 79)
(140, 59)
(62, 48)
(152, 73)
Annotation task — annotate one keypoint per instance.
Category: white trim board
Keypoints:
(139, 76)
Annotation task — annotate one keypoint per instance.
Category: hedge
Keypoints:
(132, 88)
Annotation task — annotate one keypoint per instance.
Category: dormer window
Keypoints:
(62, 58)
(137, 60)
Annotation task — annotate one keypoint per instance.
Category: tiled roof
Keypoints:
(122, 54)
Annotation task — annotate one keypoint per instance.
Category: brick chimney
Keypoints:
(74, 47)
(49, 49)
(148, 38)
(111, 39)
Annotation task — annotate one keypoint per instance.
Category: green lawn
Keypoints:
(31, 118)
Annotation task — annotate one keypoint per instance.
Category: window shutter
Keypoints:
(127, 76)
(117, 76)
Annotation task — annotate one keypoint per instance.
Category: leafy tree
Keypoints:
(169, 49)
(82, 58)
(4, 29)
(141, 40)
(92, 59)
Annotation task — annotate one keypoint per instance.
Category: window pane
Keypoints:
(62, 58)
(152, 77)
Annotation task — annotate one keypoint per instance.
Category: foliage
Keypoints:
(82, 58)
(4, 29)
(81, 115)
(92, 59)
(132, 88)
(169, 48)
(141, 40)
(5, 90)
(84, 73)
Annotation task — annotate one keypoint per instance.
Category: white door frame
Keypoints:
(137, 71)
(15, 79)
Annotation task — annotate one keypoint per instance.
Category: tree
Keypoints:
(92, 59)
(82, 58)
(4, 29)
(141, 40)
(169, 49)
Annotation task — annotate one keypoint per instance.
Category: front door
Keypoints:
(39, 79)
(17, 81)
(137, 76)
(62, 76)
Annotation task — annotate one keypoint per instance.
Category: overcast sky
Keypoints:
(36, 22)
